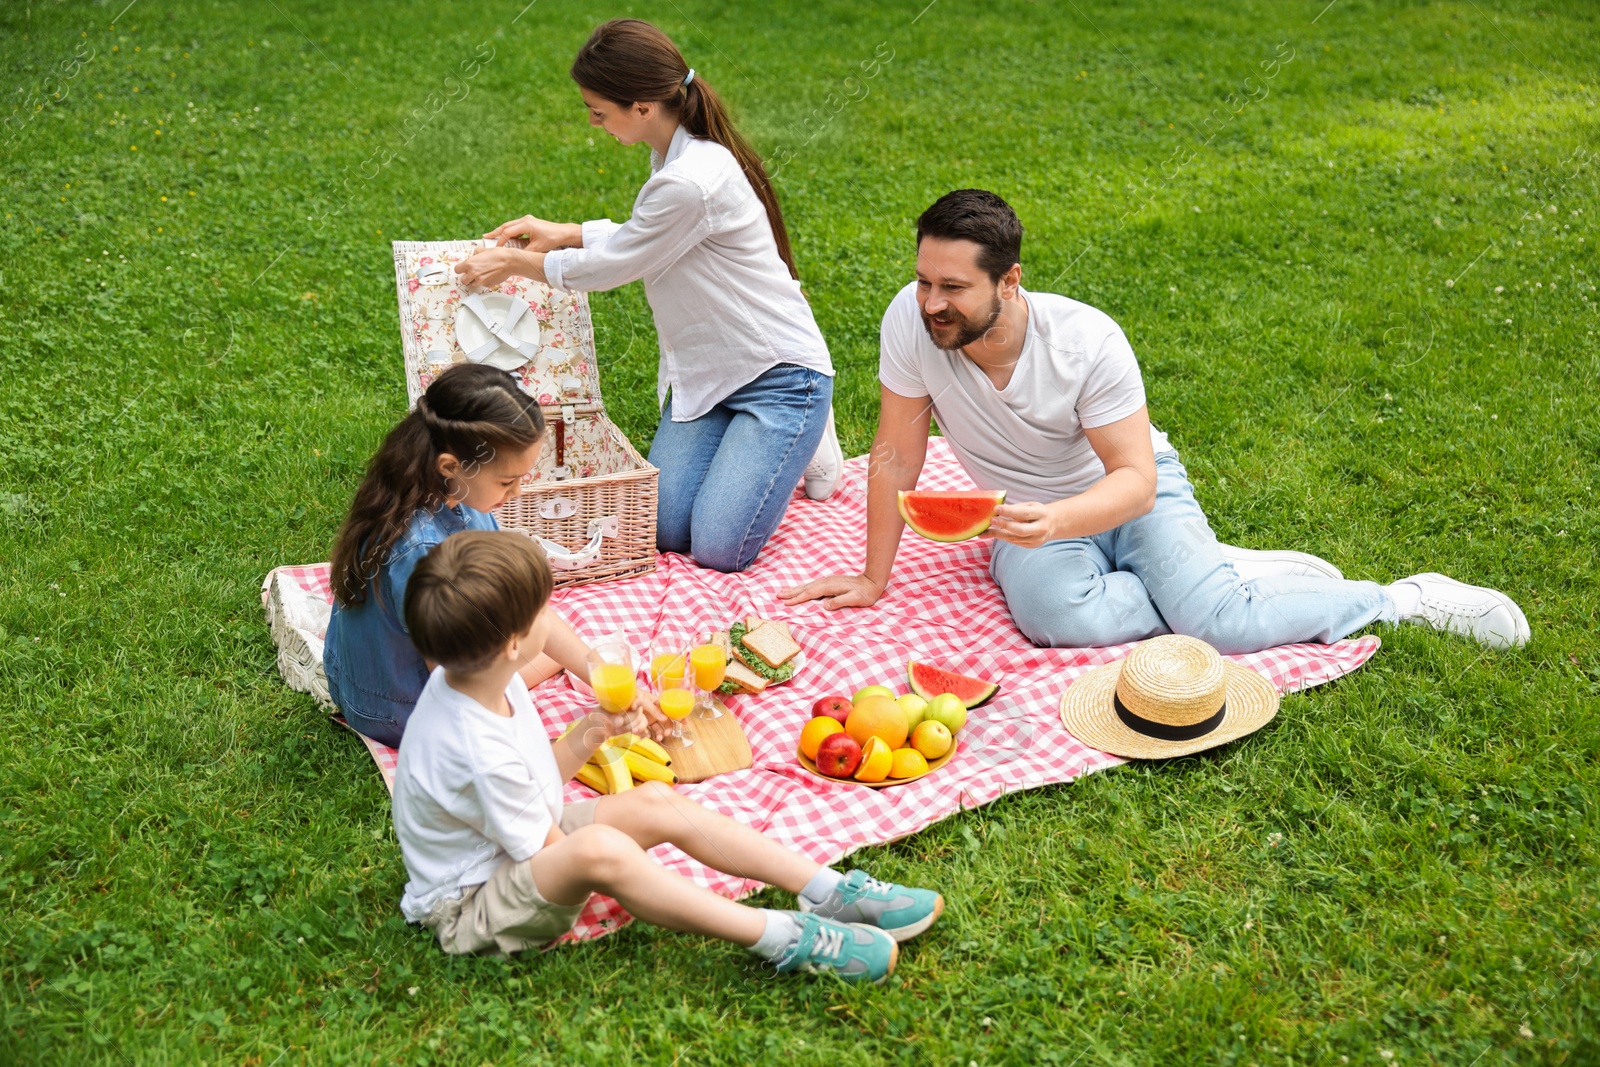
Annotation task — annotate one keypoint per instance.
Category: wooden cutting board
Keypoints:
(720, 746)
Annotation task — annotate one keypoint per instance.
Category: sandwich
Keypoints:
(763, 654)
(766, 642)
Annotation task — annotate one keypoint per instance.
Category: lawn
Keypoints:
(1352, 244)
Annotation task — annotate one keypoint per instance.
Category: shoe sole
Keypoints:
(1521, 632)
(903, 933)
(906, 933)
(894, 961)
(1314, 566)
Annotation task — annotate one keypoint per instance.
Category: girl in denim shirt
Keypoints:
(461, 453)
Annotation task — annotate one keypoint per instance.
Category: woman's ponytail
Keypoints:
(705, 116)
(630, 61)
(470, 411)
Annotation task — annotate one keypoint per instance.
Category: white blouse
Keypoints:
(725, 307)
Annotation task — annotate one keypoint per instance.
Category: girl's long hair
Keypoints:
(629, 61)
(471, 411)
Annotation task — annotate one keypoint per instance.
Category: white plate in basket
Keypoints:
(474, 334)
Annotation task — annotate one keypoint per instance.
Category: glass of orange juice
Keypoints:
(710, 665)
(675, 698)
(668, 660)
(611, 677)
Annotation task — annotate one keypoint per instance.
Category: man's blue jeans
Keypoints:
(1163, 573)
(727, 476)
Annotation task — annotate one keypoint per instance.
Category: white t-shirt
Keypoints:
(471, 790)
(1076, 370)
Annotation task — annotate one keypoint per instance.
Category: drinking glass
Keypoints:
(709, 664)
(611, 677)
(675, 698)
(669, 659)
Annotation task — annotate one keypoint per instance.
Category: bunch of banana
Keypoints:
(622, 759)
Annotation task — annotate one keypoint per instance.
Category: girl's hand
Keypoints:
(1024, 525)
(602, 725)
(489, 267)
(536, 235)
(659, 724)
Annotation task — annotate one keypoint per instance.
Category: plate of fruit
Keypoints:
(878, 738)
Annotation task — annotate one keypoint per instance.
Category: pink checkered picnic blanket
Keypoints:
(942, 608)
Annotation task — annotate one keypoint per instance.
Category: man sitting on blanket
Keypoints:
(1101, 540)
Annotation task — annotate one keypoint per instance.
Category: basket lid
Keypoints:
(542, 336)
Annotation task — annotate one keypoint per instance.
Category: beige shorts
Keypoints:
(507, 913)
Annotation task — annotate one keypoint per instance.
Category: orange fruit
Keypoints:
(907, 763)
(880, 717)
(813, 732)
(876, 758)
(932, 739)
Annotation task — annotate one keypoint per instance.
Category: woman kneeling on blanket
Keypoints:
(745, 383)
(461, 453)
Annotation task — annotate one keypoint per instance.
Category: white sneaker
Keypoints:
(1251, 563)
(1485, 615)
(826, 468)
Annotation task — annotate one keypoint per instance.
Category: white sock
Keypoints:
(1407, 597)
(822, 885)
(778, 938)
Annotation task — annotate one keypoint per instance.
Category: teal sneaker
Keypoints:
(853, 953)
(899, 911)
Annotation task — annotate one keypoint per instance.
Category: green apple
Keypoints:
(915, 708)
(948, 709)
(872, 691)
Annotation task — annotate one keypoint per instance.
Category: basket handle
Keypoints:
(566, 559)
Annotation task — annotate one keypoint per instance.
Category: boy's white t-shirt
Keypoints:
(471, 790)
(1076, 370)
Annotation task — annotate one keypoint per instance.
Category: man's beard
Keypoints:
(967, 330)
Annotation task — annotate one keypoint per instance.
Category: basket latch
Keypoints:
(569, 416)
(565, 559)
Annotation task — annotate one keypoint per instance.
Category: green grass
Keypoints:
(200, 354)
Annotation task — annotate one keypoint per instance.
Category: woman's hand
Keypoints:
(489, 267)
(836, 591)
(1024, 525)
(536, 235)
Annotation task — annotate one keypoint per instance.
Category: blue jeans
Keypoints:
(1163, 573)
(727, 476)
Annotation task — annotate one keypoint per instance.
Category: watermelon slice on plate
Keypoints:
(950, 516)
(928, 682)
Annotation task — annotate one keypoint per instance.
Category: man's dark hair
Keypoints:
(981, 217)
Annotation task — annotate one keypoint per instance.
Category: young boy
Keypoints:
(498, 864)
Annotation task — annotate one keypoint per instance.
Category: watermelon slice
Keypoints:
(928, 682)
(945, 516)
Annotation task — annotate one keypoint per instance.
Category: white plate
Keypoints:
(470, 333)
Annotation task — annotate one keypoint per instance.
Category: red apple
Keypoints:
(838, 756)
(833, 708)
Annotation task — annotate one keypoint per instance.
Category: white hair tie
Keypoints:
(689, 77)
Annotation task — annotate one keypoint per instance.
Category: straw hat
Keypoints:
(1170, 696)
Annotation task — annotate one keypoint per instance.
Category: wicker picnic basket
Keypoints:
(591, 500)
